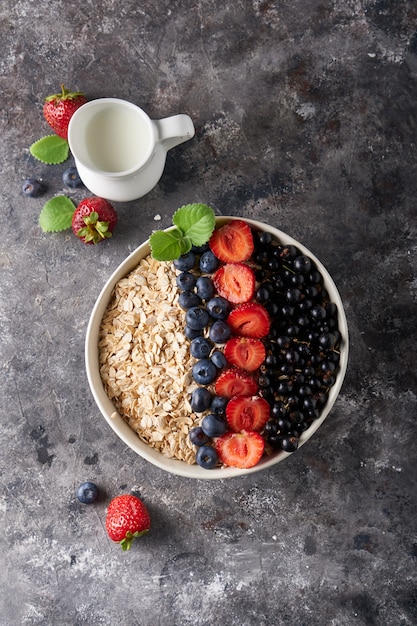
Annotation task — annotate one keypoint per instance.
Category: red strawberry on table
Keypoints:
(245, 352)
(94, 219)
(235, 382)
(235, 282)
(247, 413)
(127, 518)
(233, 242)
(242, 450)
(249, 320)
(60, 107)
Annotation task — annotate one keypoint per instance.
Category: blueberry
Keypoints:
(218, 405)
(218, 307)
(185, 281)
(200, 399)
(188, 299)
(220, 332)
(191, 334)
(185, 262)
(204, 372)
(72, 178)
(205, 287)
(208, 262)
(197, 317)
(33, 188)
(198, 437)
(87, 493)
(207, 457)
(214, 425)
(200, 249)
(219, 359)
(200, 347)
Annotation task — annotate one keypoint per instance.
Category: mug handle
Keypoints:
(174, 130)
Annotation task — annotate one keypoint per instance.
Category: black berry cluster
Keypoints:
(302, 348)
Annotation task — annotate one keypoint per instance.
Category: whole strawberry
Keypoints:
(94, 220)
(127, 518)
(60, 107)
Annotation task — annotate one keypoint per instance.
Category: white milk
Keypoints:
(117, 140)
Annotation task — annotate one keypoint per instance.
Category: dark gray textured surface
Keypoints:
(305, 116)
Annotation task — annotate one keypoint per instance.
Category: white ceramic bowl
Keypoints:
(129, 437)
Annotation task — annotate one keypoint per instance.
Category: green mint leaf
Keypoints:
(57, 214)
(169, 245)
(51, 150)
(196, 221)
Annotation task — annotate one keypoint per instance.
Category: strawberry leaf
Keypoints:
(56, 214)
(51, 150)
(167, 246)
(126, 543)
(196, 221)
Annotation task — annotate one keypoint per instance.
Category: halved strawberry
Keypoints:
(245, 352)
(235, 382)
(233, 242)
(235, 282)
(247, 413)
(249, 320)
(242, 450)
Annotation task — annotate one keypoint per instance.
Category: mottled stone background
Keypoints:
(305, 116)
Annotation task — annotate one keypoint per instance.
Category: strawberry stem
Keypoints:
(94, 230)
(65, 94)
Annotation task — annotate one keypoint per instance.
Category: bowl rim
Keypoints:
(128, 435)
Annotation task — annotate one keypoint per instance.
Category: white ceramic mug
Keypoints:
(119, 151)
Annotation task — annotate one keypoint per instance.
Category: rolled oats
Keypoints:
(145, 364)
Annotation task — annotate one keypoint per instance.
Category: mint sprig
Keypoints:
(56, 214)
(193, 226)
(51, 150)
